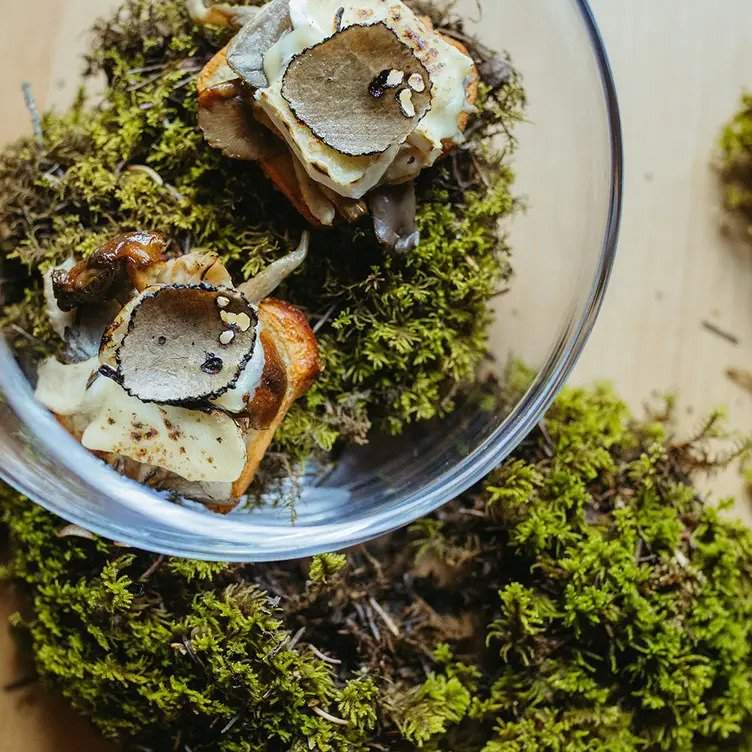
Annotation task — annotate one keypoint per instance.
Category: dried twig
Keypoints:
(391, 626)
(329, 717)
(741, 378)
(153, 568)
(711, 327)
(296, 638)
(31, 106)
(20, 683)
(323, 656)
(327, 315)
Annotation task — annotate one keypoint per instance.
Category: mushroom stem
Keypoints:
(269, 279)
(394, 216)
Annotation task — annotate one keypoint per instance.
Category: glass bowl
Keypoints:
(569, 168)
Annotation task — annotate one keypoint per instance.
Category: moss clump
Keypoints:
(736, 162)
(399, 334)
(584, 597)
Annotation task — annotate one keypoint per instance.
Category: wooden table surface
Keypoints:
(680, 67)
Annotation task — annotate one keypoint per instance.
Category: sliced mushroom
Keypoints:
(215, 73)
(102, 275)
(331, 88)
(246, 52)
(268, 280)
(350, 209)
(227, 122)
(316, 200)
(84, 337)
(394, 216)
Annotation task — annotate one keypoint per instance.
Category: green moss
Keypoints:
(584, 597)
(736, 162)
(399, 334)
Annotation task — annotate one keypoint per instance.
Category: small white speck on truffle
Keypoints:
(222, 301)
(226, 337)
(395, 78)
(243, 322)
(417, 83)
(406, 103)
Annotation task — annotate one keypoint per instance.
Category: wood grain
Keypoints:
(680, 68)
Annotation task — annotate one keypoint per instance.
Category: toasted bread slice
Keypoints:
(278, 163)
(292, 364)
(280, 169)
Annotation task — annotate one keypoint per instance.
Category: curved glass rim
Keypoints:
(233, 541)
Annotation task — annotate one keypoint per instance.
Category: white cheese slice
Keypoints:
(62, 388)
(198, 446)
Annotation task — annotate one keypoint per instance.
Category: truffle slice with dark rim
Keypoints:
(186, 344)
(341, 89)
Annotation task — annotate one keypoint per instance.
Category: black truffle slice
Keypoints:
(246, 53)
(177, 348)
(334, 88)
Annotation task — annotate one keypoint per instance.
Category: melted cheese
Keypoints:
(197, 446)
(313, 21)
(62, 388)
(235, 400)
(206, 447)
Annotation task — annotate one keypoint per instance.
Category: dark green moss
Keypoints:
(585, 597)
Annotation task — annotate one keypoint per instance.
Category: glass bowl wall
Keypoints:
(569, 171)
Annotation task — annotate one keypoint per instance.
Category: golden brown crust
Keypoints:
(215, 71)
(298, 351)
(271, 391)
